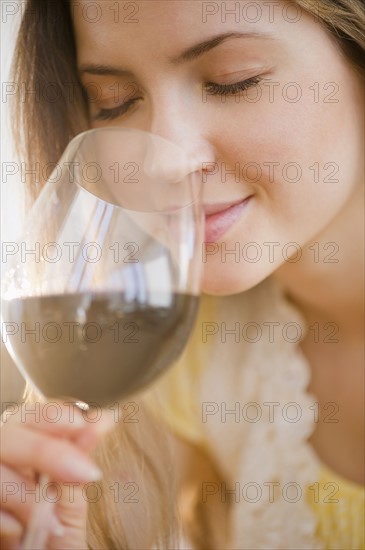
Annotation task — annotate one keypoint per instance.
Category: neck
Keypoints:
(327, 284)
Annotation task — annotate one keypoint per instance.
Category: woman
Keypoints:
(263, 446)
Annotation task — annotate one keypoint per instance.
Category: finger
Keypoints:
(57, 419)
(21, 498)
(60, 459)
(88, 439)
(17, 494)
(10, 531)
(42, 521)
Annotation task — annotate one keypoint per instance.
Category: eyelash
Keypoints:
(211, 87)
(110, 114)
(231, 89)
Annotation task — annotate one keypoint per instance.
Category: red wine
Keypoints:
(98, 347)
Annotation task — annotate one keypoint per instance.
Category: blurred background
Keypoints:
(11, 191)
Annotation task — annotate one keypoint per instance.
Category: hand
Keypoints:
(32, 445)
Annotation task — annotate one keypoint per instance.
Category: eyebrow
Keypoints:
(199, 49)
(97, 69)
(189, 54)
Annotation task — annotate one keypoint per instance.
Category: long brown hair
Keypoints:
(45, 61)
(44, 122)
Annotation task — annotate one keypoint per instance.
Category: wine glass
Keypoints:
(101, 292)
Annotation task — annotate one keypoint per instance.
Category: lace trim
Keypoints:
(269, 458)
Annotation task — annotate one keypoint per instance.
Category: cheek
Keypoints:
(301, 160)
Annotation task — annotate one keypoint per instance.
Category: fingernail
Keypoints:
(58, 531)
(57, 528)
(78, 421)
(106, 422)
(81, 469)
(9, 525)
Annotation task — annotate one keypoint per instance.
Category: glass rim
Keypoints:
(76, 142)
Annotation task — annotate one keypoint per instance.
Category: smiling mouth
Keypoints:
(211, 209)
(219, 217)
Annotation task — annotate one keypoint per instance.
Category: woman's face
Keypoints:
(291, 143)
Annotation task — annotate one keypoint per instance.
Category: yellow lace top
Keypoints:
(239, 392)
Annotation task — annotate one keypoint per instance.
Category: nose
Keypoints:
(167, 161)
(171, 172)
(178, 147)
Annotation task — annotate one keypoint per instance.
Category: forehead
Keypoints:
(138, 28)
(103, 22)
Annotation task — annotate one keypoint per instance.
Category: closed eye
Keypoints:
(115, 112)
(213, 88)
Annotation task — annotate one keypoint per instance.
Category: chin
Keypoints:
(218, 281)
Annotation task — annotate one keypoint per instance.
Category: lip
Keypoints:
(220, 217)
